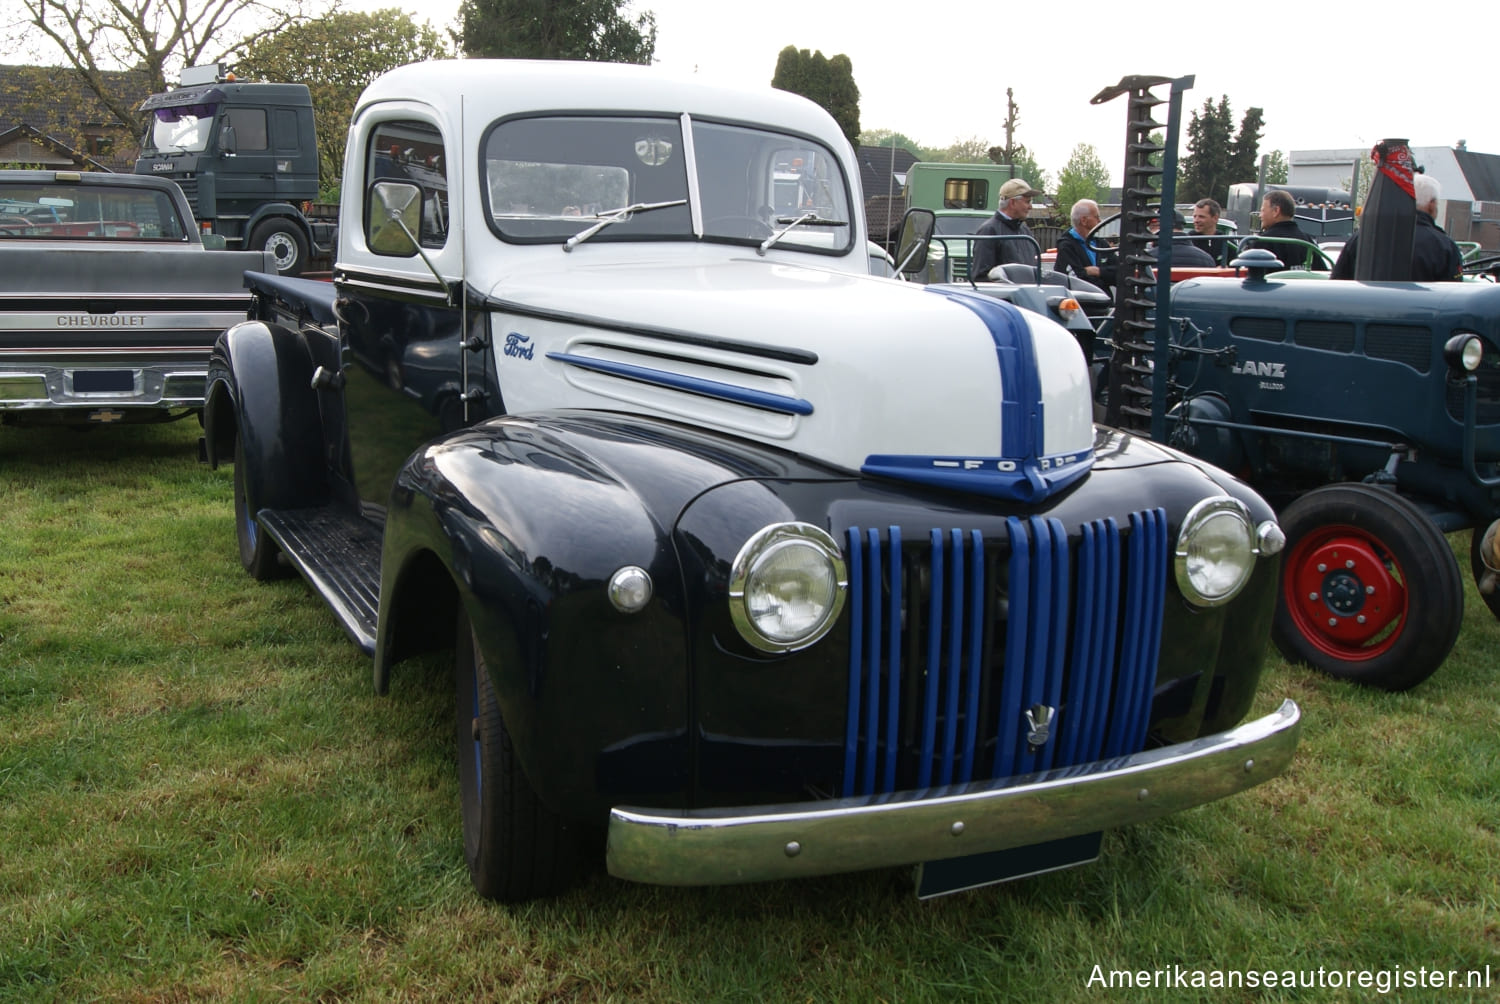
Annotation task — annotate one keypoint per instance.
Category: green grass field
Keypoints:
(201, 799)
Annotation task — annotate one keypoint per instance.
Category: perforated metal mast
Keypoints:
(1138, 362)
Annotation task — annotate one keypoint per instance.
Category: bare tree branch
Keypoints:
(154, 36)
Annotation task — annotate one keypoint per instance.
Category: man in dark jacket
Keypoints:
(1276, 220)
(1009, 220)
(1075, 256)
(1434, 256)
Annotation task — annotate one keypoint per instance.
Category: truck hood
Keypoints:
(949, 388)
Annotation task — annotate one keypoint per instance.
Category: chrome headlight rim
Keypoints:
(764, 543)
(1198, 517)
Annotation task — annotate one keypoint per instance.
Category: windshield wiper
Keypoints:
(806, 219)
(609, 216)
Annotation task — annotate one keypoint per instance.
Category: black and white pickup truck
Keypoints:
(757, 563)
(109, 304)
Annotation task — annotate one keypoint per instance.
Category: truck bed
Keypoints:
(117, 334)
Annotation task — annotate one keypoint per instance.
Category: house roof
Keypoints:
(60, 113)
(879, 167)
(1482, 172)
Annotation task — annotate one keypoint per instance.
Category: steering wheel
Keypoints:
(751, 227)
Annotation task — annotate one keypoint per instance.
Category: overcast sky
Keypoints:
(1328, 75)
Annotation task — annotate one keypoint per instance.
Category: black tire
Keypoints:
(1477, 566)
(1370, 591)
(286, 242)
(516, 848)
(258, 553)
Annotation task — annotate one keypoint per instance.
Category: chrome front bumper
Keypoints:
(755, 843)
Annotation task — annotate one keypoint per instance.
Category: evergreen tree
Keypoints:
(1205, 171)
(1245, 158)
(556, 29)
(827, 82)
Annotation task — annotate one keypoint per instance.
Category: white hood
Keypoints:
(849, 369)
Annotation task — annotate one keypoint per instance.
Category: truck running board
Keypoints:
(339, 557)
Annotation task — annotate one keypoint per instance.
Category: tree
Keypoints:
(1244, 160)
(973, 150)
(1083, 177)
(337, 57)
(1276, 168)
(99, 35)
(887, 137)
(556, 29)
(827, 82)
(1204, 171)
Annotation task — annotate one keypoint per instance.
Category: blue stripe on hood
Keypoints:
(1023, 471)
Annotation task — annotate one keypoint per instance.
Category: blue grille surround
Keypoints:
(954, 638)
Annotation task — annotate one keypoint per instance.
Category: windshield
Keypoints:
(958, 224)
(186, 128)
(552, 178)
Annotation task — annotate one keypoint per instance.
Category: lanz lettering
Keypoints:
(101, 320)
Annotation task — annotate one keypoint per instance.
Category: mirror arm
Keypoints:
(395, 218)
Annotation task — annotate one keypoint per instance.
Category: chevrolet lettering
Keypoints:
(102, 321)
(735, 586)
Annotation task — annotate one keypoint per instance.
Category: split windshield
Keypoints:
(551, 178)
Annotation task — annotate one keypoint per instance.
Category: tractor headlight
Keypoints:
(787, 586)
(1463, 353)
(1215, 552)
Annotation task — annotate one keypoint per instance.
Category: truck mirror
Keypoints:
(911, 249)
(228, 146)
(394, 214)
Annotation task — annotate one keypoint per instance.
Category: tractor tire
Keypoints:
(1370, 591)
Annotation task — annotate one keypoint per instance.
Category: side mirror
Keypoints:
(228, 145)
(911, 250)
(393, 213)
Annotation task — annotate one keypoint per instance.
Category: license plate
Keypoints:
(938, 878)
(103, 381)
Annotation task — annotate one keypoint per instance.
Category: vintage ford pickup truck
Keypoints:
(108, 304)
(752, 564)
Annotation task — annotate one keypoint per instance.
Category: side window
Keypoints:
(249, 126)
(965, 193)
(413, 152)
(286, 129)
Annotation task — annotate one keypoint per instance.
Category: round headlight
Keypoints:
(1464, 352)
(1215, 552)
(786, 587)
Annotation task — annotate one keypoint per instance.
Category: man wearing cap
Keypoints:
(1010, 219)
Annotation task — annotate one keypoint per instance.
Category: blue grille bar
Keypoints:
(1043, 629)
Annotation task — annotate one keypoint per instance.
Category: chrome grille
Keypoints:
(956, 637)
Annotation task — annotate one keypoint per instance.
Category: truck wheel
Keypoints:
(1477, 565)
(1370, 591)
(258, 553)
(517, 849)
(284, 240)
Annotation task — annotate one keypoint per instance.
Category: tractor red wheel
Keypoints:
(1370, 591)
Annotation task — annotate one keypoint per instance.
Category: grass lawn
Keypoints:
(202, 799)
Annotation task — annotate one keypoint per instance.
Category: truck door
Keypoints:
(248, 177)
(403, 363)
